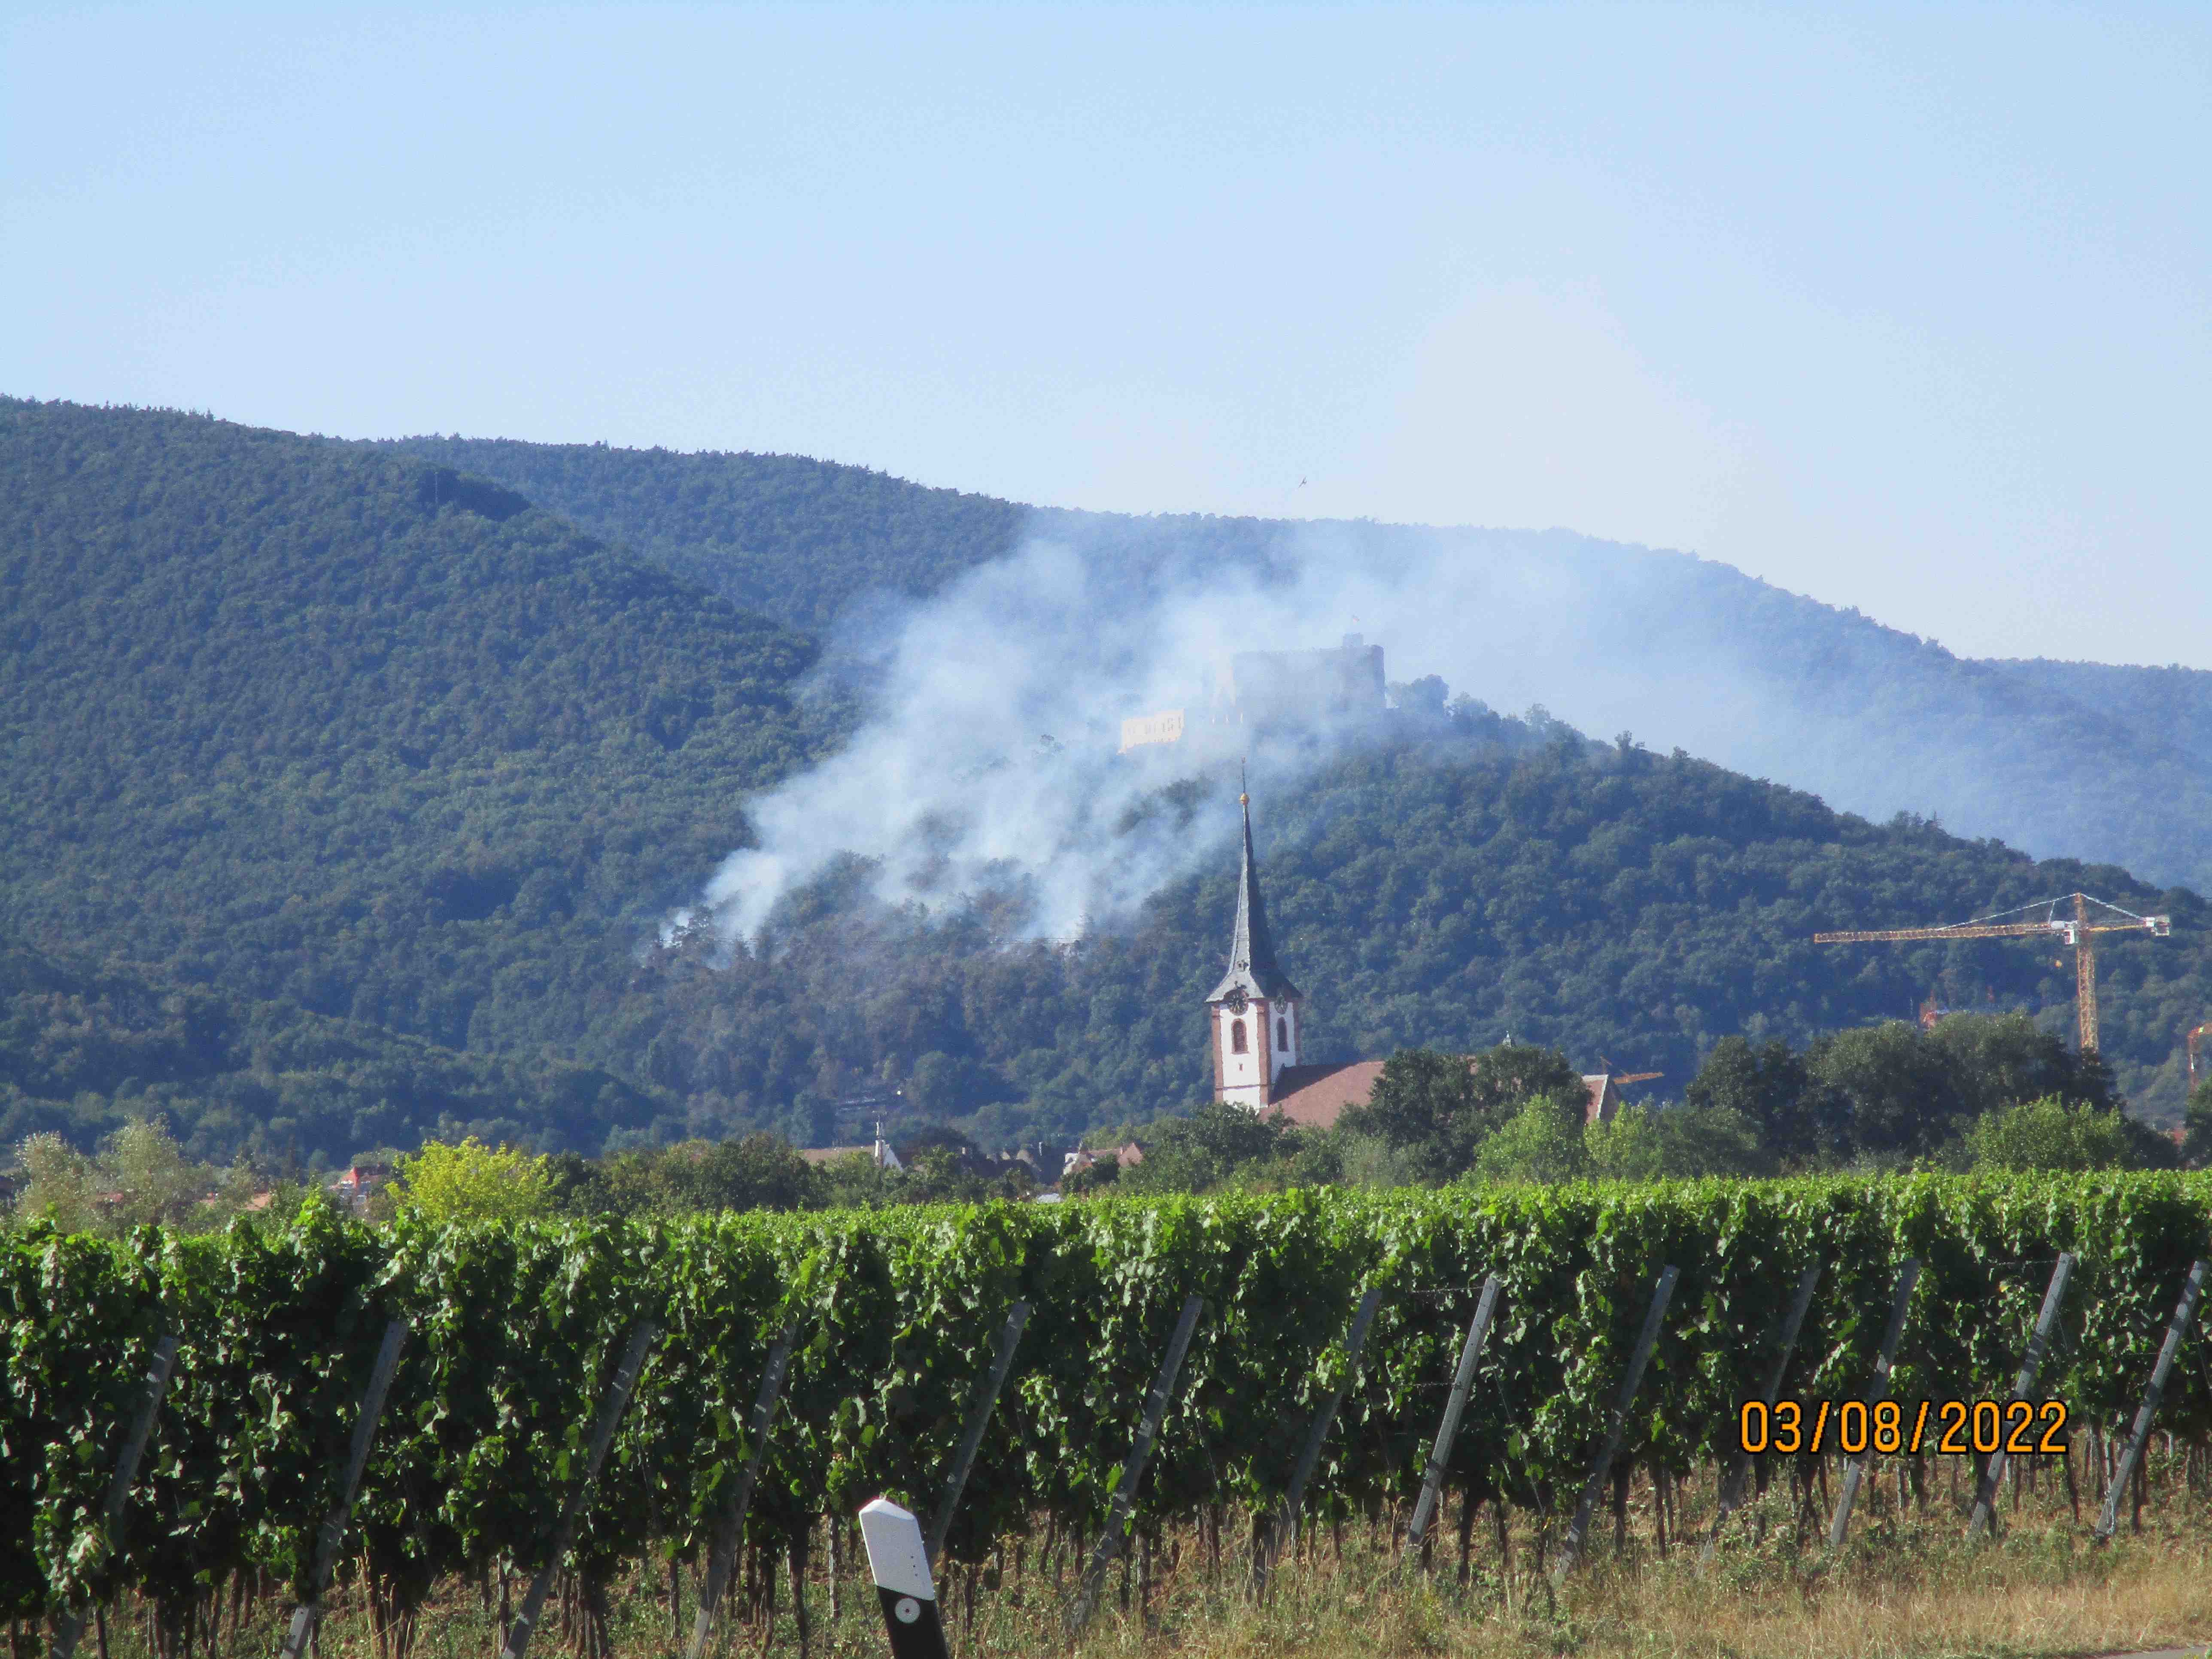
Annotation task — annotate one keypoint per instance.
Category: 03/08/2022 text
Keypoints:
(1955, 1428)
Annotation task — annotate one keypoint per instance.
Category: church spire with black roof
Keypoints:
(1253, 969)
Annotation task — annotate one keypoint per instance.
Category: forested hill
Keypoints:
(312, 725)
(2169, 707)
(345, 795)
(792, 538)
(2110, 763)
(1460, 883)
(82, 1044)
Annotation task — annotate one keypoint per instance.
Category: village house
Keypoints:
(1126, 1156)
(358, 1184)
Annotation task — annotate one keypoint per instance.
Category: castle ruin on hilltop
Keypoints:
(1275, 690)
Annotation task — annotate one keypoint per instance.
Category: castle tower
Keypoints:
(1254, 1011)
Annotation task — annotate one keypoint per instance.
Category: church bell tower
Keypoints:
(1254, 1011)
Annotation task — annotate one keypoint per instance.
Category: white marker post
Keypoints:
(899, 1563)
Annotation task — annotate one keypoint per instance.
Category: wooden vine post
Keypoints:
(2109, 1522)
(1738, 1469)
(69, 1626)
(1285, 1527)
(1470, 1354)
(602, 1436)
(1855, 1469)
(1983, 1519)
(730, 1532)
(978, 1419)
(1132, 1471)
(328, 1541)
(1570, 1550)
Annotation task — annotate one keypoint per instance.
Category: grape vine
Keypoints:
(515, 1330)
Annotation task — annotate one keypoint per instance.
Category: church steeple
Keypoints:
(1252, 965)
(1253, 1010)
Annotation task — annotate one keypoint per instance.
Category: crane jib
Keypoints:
(2157, 926)
(2077, 931)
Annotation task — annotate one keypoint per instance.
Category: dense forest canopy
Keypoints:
(2170, 705)
(2112, 765)
(349, 795)
(85, 1048)
(792, 538)
(1445, 891)
(306, 725)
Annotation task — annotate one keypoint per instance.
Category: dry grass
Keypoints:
(1908, 1588)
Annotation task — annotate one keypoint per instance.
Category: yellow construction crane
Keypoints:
(2078, 931)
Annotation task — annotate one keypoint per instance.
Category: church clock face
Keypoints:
(1236, 1001)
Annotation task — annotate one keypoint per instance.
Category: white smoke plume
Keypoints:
(988, 763)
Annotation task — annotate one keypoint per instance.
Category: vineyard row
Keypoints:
(1635, 1318)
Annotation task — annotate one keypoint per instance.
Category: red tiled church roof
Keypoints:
(1314, 1097)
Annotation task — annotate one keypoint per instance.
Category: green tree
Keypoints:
(2003, 1060)
(1900, 1093)
(1437, 1110)
(576, 1185)
(939, 1166)
(150, 1176)
(1644, 1143)
(940, 1175)
(852, 1181)
(1421, 1107)
(471, 1181)
(756, 1172)
(942, 1086)
(1216, 1146)
(2196, 1126)
(140, 1175)
(2051, 1133)
(1094, 1178)
(60, 1184)
(1768, 1085)
(1505, 1078)
(1542, 1141)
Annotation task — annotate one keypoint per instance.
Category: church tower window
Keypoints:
(1282, 1032)
(1237, 1036)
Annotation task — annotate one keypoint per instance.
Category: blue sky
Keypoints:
(1906, 308)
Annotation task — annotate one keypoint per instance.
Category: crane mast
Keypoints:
(2077, 931)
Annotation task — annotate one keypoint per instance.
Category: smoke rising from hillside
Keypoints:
(989, 764)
